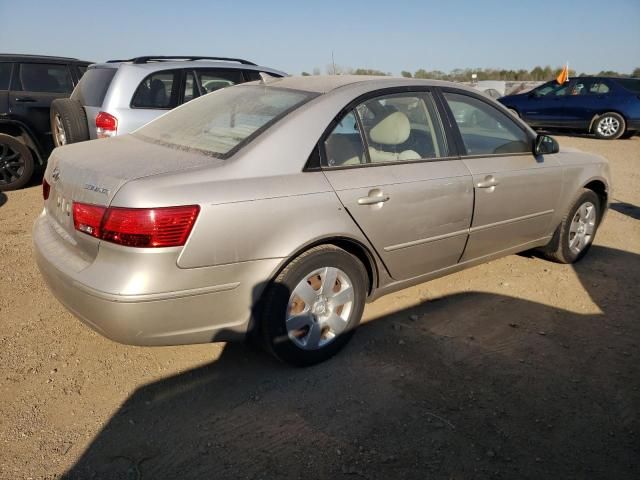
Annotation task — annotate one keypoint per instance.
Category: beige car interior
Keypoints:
(391, 131)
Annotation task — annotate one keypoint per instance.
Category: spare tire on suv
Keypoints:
(68, 122)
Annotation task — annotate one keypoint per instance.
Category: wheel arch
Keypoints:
(599, 187)
(23, 134)
(350, 245)
(595, 118)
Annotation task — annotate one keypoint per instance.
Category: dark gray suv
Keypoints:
(28, 85)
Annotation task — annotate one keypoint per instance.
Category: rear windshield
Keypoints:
(93, 86)
(222, 122)
(632, 84)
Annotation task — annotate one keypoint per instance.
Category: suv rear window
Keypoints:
(631, 84)
(223, 122)
(93, 86)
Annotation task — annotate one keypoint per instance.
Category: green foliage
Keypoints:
(369, 71)
(406, 74)
(636, 72)
(305, 74)
(538, 73)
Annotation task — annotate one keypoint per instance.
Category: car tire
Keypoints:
(16, 163)
(68, 122)
(609, 126)
(302, 320)
(574, 236)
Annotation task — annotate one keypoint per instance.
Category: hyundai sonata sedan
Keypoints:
(276, 210)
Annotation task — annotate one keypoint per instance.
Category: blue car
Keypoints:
(607, 107)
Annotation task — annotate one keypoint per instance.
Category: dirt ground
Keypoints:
(519, 368)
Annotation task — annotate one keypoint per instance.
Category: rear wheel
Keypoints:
(574, 236)
(311, 310)
(609, 126)
(16, 163)
(68, 122)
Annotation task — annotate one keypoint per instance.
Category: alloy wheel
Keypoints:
(582, 227)
(608, 126)
(11, 165)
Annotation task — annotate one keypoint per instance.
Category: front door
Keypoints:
(515, 192)
(389, 163)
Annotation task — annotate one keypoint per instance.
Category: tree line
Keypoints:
(537, 73)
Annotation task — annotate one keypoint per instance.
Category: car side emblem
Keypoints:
(55, 175)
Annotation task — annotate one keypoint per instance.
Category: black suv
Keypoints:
(28, 85)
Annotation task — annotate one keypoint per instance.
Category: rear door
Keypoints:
(34, 87)
(581, 102)
(395, 171)
(515, 192)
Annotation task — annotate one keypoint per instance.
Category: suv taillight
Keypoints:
(106, 125)
(137, 227)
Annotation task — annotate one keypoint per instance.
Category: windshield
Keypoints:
(223, 122)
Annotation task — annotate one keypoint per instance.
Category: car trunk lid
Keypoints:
(93, 172)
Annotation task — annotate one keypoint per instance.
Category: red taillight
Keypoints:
(88, 218)
(106, 125)
(137, 227)
(46, 189)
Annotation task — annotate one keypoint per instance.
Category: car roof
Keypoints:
(16, 57)
(173, 64)
(327, 83)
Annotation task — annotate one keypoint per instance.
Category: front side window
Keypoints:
(212, 80)
(551, 89)
(485, 130)
(395, 128)
(45, 78)
(221, 123)
(159, 90)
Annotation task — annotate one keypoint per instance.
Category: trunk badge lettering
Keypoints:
(93, 188)
(55, 175)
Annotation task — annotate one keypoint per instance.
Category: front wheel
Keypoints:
(609, 126)
(574, 236)
(313, 307)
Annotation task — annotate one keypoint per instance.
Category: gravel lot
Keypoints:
(519, 368)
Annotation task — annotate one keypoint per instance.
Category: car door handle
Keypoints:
(25, 99)
(488, 182)
(373, 199)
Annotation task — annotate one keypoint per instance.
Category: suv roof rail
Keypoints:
(161, 58)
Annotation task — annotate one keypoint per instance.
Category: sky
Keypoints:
(296, 36)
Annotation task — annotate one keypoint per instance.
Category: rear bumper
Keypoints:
(219, 311)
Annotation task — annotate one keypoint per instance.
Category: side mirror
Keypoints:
(545, 144)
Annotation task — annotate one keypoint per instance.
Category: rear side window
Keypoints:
(485, 130)
(631, 84)
(397, 128)
(252, 75)
(48, 78)
(159, 90)
(5, 75)
(212, 80)
(93, 86)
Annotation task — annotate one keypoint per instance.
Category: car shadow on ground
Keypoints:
(3, 199)
(471, 385)
(627, 209)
